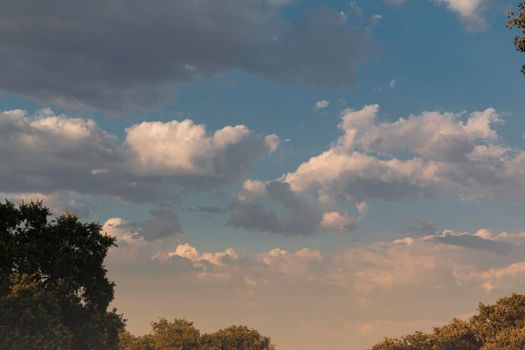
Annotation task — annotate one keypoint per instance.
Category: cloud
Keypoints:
(498, 278)
(417, 227)
(361, 207)
(116, 227)
(355, 294)
(142, 242)
(393, 83)
(413, 157)
(422, 155)
(302, 216)
(469, 11)
(229, 265)
(57, 202)
(321, 104)
(122, 55)
(187, 150)
(442, 259)
(48, 153)
(333, 220)
(161, 224)
(474, 242)
(381, 268)
(189, 252)
(375, 19)
(443, 151)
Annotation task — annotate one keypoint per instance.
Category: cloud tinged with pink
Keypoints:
(446, 257)
(428, 154)
(470, 12)
(49, 153)
(422, 155)
(70, 162)
(366, 291)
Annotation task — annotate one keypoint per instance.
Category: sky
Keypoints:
(327, 172)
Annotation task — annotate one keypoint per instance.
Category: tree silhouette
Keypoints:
(54, 293)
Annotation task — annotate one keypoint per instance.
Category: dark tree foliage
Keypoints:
(54, 292)
(518, 21)
(31, 317)
(128, 341)
(179, 334)
(236, 338)
(182, 335)
(495, 327)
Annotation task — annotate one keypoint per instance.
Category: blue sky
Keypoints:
(103, 135)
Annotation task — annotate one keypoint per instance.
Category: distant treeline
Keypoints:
(182, 335)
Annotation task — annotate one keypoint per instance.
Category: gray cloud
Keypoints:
(58, 202)
(474, 242)
(115, 55)
(50, 153)
(417, 227)
(293, 213)
(161, 224)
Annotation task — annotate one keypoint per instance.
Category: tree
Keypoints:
(179, 334)
(416, 341)
(182, 335)
(518, 21)
(500, 326)
(26, 306)
(508, 312)
(54, 267)
(456, 335)
(127, 341)
(508, 339)
(390, 344)
(236, 338)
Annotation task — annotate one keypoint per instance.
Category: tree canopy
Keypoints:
(54, 292)
(182, 335)
(495, 327)
(517, 20)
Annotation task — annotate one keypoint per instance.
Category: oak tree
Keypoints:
(54, 267)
